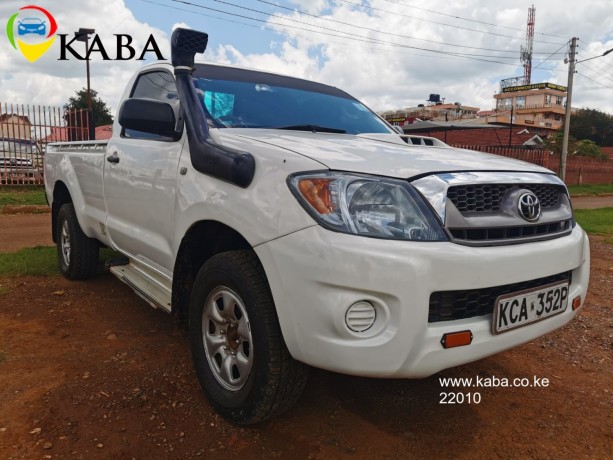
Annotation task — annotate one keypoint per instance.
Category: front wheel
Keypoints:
(78, 254)
(239, 354)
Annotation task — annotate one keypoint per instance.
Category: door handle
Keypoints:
(112, 159)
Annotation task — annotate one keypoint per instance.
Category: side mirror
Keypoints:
(148, 116)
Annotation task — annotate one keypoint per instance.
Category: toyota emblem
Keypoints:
(529, 206)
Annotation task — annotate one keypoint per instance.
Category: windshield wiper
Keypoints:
(313, 128)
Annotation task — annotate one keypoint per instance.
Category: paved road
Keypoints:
(26, 230)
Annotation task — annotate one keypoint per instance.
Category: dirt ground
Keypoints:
(19, 231)
(88, 370)
(592, 202)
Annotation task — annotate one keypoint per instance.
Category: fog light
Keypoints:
(456, 339)
(576, 302)
(360, 316)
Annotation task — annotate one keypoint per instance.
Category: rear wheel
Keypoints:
(77, 253)
(239, 354)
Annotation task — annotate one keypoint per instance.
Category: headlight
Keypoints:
(366, 205)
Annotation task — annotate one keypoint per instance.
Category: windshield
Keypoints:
(269, 101)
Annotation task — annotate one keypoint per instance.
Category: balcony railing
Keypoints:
(555, 107)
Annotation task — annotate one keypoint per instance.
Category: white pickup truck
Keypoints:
(292, 227)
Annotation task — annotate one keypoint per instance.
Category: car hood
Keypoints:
(380, 154)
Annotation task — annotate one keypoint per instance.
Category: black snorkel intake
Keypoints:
(207, 157)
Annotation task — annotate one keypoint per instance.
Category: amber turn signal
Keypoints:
(317, 193)
(576, 302)
(456, 339)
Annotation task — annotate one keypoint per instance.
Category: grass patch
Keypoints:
(36, 261)
(596, 221)
(2, 356)
(4, 290)
(591, 190)
(21, 196)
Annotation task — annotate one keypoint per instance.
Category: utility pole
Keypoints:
(82, 35)
(511, 124)
(569, 95)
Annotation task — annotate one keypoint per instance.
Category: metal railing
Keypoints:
(25, 131)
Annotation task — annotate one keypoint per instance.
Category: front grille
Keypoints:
(510, 233)
(488, 197)
(451, 305)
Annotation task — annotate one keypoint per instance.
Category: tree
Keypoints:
(592, 125)
(554, 142)
(583, 148)
(587, 148)
(102, 114)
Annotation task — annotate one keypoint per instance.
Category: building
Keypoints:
(439, 111)
(540, 106)
(465, 133)
(15, 126)
(61, 133)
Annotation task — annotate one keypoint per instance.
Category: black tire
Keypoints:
(77, 253)
(274, 381)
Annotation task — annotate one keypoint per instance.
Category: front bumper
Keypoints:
(316, 274)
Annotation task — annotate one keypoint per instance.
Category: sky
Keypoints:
(390, 54)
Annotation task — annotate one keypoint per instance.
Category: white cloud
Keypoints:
(51, 82)
(310, 6)
(391, 76)
(382, 74)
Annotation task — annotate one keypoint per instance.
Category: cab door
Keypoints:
(140, 180)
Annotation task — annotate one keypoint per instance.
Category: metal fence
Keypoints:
(579, 170)
(537, 156)
(25, 131)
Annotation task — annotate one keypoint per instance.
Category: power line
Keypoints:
(201, 14)
(470, 20)
(370, 41)
(348, 24)
(351, 35)
(372, 8)
(383, 47)
(597, 82)
(550, 56)
(596, 72)
(599, 67)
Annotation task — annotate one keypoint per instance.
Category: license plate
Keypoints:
(520, 308)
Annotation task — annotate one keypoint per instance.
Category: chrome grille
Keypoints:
(481, 208)
(452, 305)
(488, 197)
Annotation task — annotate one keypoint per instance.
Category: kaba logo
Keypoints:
(32, 31)
(124, 51)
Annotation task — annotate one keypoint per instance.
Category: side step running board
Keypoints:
(151, 292)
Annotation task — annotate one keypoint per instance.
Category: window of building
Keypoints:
(547, 99)
(505, 103)
(559, 100)
(520, 101)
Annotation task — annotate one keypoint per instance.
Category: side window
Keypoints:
(158, 86)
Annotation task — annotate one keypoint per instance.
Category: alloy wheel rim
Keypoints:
(65, 243)
(227, 339)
